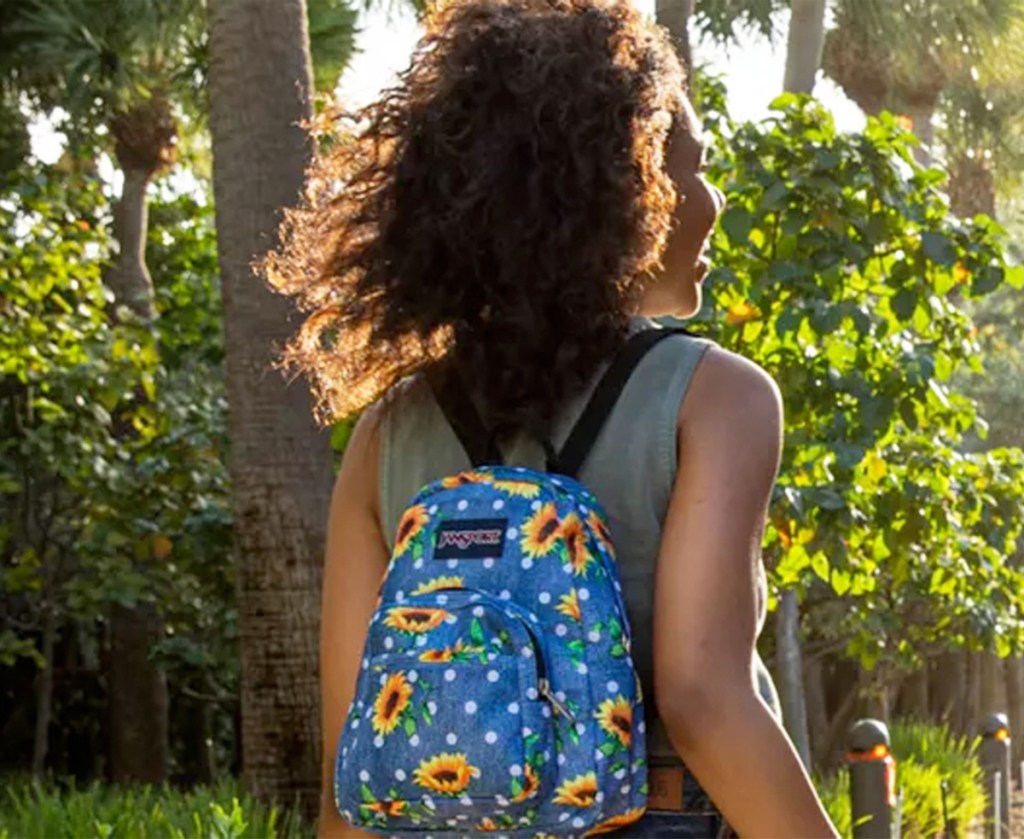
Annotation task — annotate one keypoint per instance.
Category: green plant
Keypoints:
(927, 756)
(31, 808)
(841, 271)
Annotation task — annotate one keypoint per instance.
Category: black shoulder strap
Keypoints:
(584, 434)
(481, 446)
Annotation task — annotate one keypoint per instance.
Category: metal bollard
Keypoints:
(872, 780)
(995, 763)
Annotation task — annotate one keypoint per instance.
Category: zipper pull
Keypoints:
(545, 691)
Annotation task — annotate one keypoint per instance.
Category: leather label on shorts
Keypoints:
(665, 788)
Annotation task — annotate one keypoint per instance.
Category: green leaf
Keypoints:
(820, 566)
(476, 632)
(410, 725)
(366, 794)
(737, 224)
(904, 302)
(840, 581)
(938, 248)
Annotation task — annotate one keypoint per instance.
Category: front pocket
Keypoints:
(452, 733)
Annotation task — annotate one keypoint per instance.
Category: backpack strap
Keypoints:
(584, 434)
(480, 445)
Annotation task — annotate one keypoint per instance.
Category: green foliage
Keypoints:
(332, 40)
(839, 271)
(222, 812)
(112, 473)
(834, 792)
(927, 756)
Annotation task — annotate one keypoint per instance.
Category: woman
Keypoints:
(515, 207)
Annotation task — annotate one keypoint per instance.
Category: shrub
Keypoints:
(29, 808)
(926, 756)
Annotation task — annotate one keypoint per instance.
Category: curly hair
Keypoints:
(498, 210)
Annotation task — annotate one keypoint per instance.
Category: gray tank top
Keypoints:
(631, 469)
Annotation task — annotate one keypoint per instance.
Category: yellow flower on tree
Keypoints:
(448, 774)
(522, 489)
(578, 792)
(531, 783)
(569, 605)
(740, 312)
(541, 532)
(409, 527)
(387, 808)
(437, 584)
(414, 619)
(392, 700)
(615, 822)
(575, 538)
(616, 717)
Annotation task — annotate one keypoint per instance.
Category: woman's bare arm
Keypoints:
(706, 605)
(357, 557)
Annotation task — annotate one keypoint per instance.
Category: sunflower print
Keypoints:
(487, 825)
(576, 545)
(600, 529)
(463, 478)
(521, 489)
(569, 605)
(437, 584)
(409, 528)
(387, 807)
(414, 619)
(578, 792)
(448, 774)
(531, 783)
(615, 822)
(436, 656)
(541, 532)
(616, 717)
(391, 702)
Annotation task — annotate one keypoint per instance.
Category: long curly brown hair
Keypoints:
(498, 209)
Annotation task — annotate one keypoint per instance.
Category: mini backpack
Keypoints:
(497, 691)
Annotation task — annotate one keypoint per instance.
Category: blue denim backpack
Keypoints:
(497, 691)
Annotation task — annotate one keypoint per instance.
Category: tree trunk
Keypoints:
(675, 15)
(922, 120)
(972, 188)
(44, 692)
(946, 686)
(913, 700)
(139, 748)
(804, 44)
(788, 666)
(992, 685)
(971, 697)
(817, 709)
(1015, 705)
(281, 464)
(129, 277)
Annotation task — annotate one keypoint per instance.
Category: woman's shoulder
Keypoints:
(734, 395)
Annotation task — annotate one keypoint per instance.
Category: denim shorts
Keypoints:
(661, 824)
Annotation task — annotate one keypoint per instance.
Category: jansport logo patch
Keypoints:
(470, 539)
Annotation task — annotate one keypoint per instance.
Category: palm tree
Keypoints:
(804, 45)
(281, 465)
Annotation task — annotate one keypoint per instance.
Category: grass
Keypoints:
(926, 757)
(30, 809)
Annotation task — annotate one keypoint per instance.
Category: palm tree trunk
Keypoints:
(803, 48)
(129, 277)
(138, 700)
(675, 15)
(922, 118)
(281, 464)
